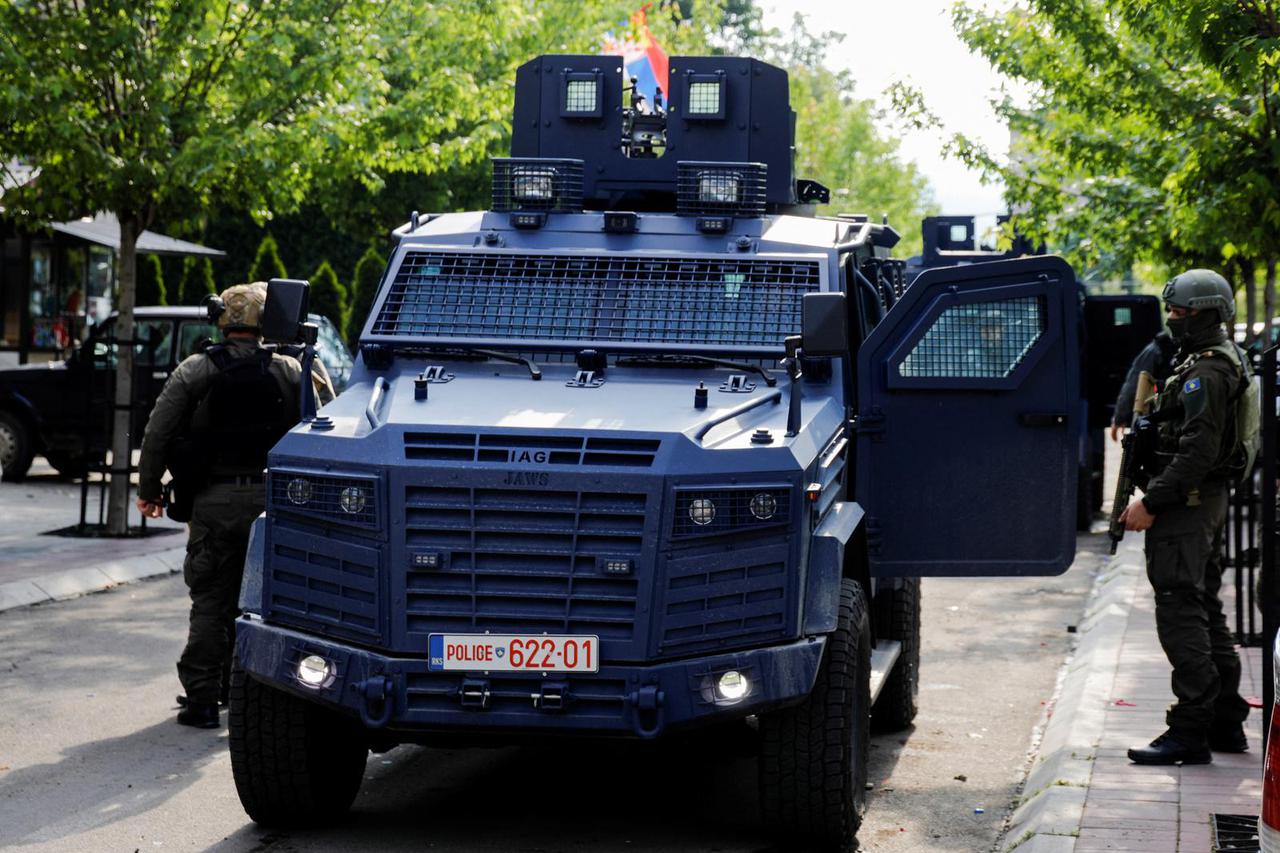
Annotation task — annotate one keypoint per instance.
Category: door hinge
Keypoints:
(868, 423)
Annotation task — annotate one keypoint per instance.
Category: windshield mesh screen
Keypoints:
(752, 303)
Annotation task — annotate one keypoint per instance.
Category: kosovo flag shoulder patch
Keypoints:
(1191, 386)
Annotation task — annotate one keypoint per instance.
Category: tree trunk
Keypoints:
(121, 445)
(1247, 277)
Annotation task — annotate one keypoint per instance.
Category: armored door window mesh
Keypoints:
(983, 340)
(597, 298)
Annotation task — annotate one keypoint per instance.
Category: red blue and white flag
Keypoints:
(642, 57)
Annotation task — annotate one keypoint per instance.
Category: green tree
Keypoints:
(329, 296)
(266, 262)
(150, 107)
(364, 287)
(151, 289)
(1150, 132)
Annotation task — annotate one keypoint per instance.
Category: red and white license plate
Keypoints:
(512, 653)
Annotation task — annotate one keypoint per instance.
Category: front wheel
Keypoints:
(813, 756)
(16, 448)
(294, 762)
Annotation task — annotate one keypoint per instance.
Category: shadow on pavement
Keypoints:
(85, 790)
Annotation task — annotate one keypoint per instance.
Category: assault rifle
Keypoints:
(1133, 453)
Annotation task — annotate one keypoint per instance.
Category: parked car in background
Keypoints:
(61, 409)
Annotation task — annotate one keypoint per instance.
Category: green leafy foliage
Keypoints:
(1150, 131)
(151, 289)
(266, 262)
(329, 297)
(364, 286)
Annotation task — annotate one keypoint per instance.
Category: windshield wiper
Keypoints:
(689, 360)
(535, 372)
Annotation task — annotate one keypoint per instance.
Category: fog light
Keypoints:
(719, 187)
(314, 671)
(733, 685)
(352, 500)
(763, 506)
(702, 512)
(299, 491)
(533, 185)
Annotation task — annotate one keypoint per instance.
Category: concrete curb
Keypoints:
(1051, 809)
(72, 583)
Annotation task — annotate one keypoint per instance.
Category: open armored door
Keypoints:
(968, 422)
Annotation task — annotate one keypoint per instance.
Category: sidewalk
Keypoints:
(35, 567)
(1083, 795)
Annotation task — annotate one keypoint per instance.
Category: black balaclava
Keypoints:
(1197, 330)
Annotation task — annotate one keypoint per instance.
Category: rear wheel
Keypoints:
(813, 756)
(896, 615)
(15, 447)
(294, 762)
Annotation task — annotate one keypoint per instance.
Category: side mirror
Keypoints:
(286, 309)
(825, 325)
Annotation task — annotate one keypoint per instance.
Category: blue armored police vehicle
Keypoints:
(649, 447)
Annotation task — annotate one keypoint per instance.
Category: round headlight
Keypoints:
(733, 685)
(313, 671)
(299, 491)
(702, 511)
(763, 506)
(352, 500)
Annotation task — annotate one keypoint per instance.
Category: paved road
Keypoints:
(90, 758)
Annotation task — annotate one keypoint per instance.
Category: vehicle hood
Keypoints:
(656, 402)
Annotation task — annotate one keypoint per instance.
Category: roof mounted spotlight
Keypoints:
(717, 192)
(531, 187)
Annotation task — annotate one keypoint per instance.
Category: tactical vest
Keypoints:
(243, 413)
(1243, 431)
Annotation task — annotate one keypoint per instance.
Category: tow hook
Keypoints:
(647, 702)
(378, 700)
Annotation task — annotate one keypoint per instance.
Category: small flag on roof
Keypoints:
(641, 55)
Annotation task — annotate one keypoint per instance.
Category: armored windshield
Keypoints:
(549, 299)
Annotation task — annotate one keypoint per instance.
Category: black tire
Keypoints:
(896, 616)
(294, 762)
(813, 756)
(16, 450)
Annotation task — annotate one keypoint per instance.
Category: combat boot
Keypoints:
(1228, 738)
(200, 715)
(1176, 746)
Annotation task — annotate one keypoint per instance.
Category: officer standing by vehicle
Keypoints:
(1156, 358)
(1183, 512)
(233, 401)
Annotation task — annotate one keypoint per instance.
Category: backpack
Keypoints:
(1248, 412)
(243, 413)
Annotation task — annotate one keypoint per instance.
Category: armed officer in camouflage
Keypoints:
(223, 409)
(1183, 511)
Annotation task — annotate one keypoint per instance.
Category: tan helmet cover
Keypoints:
(244, 304)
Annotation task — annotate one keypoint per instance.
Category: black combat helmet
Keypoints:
(1201, 289)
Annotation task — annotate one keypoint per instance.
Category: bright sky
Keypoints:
(912, 41)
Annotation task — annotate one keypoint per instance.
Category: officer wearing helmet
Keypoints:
(1183, 511)
(227, 406)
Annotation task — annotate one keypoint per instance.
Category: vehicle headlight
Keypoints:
(702, 511)
(299, 491)
(533, 185)
(719, 187)
(764, 506)
(314, 671)
(352, 500)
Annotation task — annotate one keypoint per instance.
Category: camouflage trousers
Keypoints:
(1184, 565)
(219, 536)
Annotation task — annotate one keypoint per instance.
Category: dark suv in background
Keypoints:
(60, 409)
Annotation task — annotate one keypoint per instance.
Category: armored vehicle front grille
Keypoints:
(323, 582)
(530, 449)
(521, 560)
(573, 299)
(722, 600)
